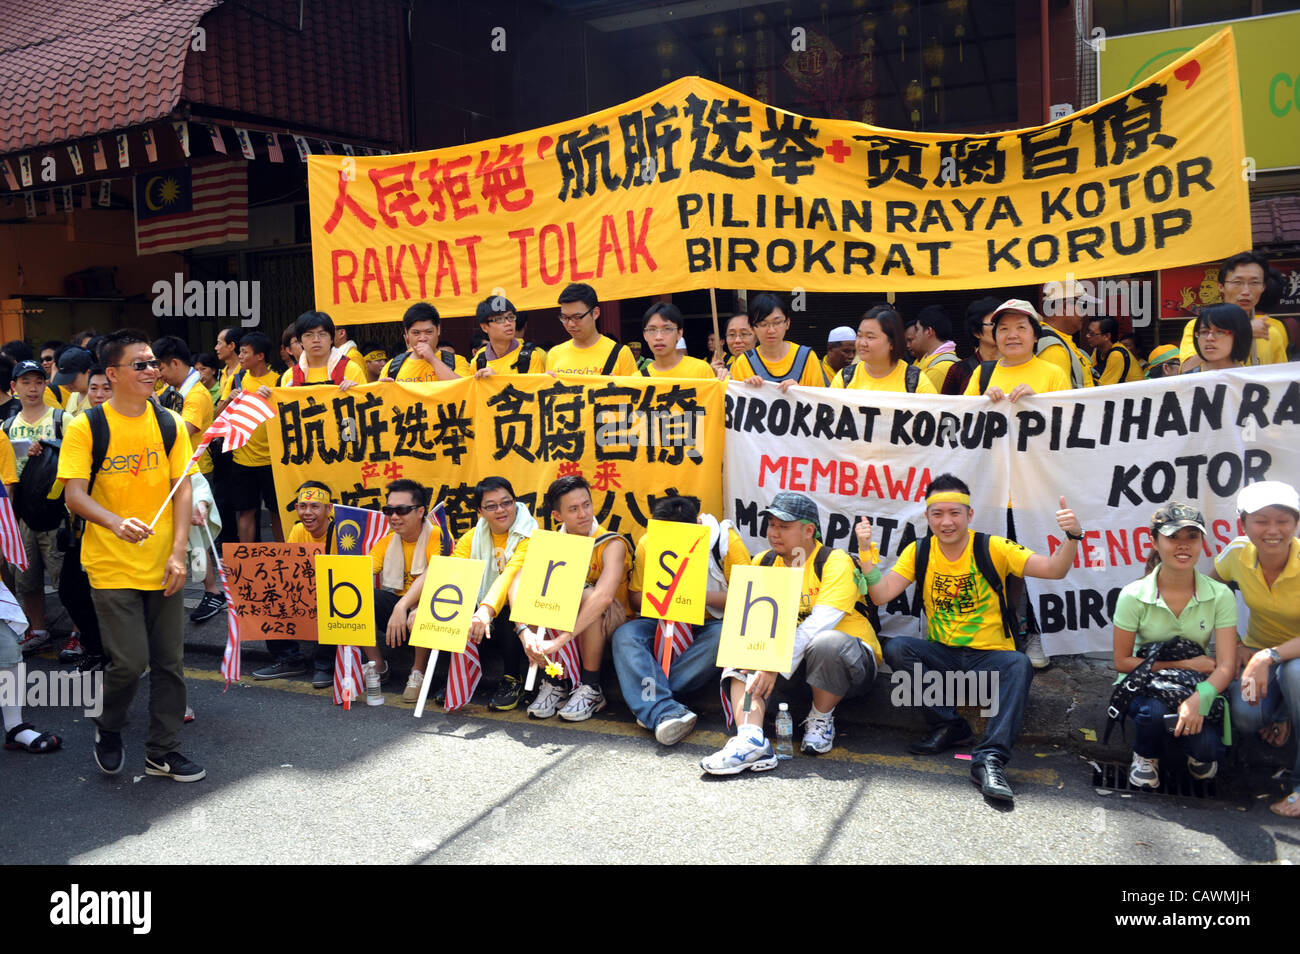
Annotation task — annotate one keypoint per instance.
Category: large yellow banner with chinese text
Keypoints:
(695, 185)
(634, 439)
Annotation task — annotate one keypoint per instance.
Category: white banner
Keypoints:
(1115, 453)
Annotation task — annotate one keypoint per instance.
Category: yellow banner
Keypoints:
(634, 439)
(696, 185)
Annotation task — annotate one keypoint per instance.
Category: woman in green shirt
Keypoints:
(1174, 600)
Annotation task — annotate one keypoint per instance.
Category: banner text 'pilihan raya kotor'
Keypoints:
(695, 185)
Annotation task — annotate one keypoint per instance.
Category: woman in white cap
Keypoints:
(1265, 565)
(881, 344)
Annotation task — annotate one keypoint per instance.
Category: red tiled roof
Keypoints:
(1275, 221)
(73, 68)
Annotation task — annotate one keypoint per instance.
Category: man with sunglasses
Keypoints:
(504, 353)
(587, 351)
(398, 560)
(136, 569)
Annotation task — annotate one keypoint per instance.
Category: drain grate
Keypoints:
(1114, 776)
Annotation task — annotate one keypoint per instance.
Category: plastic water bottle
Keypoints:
(784, 733)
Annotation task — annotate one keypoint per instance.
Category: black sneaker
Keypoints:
(92, 662)
(109, 751)
(281, 670)
(323, 679)
(507, 695)
(209, 606)
(173, 765)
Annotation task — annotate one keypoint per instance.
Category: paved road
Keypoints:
(292, 778)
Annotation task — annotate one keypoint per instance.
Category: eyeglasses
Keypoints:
(771, 323)
(152, 364)
(1213, 333)
(660, 332)
(401, 511)
(503, 319)
(1251, 283)
(738, 335)
(567, 319)
(494, 507)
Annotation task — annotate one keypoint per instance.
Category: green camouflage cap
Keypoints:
(1173, 516)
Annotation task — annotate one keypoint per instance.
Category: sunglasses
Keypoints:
(401, 511)
(152, 364)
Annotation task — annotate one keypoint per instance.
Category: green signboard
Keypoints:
(1267, 66)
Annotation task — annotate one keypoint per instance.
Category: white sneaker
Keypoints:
(1202, 771)
(371, 673)
(585, 702)
(413, 682)
(1034, 650)
(672, 729)
(1144, 773)
(739, 754)
(818, 734)
(549, 699)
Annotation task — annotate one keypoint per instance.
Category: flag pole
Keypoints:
(718, 353)
(424, 686)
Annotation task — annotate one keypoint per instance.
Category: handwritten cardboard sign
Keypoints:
(272, 588)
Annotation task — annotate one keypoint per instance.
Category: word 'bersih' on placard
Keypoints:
(345, 600)
(551, 580)
(759, 621)
(676, 575)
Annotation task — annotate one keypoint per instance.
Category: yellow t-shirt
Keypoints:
(1054, 354)
(737, 555)
(1113, 371)
(380, 550)
(1042, 376)
(51, 400)
(812, 376)
(506, 363)
(132, 482)
(1274, 611)
(322, 376)
(837, 588)
(8, 470)
(197, 410)
(419, 370)
(76, 403)
(1270, 350)
(936, 368)
(597, 567)
(961, 608)
(568, 358)
(357, 360)
(257, 452)
(688, 367)
(298, 534)
(895, 380)
(497, 593)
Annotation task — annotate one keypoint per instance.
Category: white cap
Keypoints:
(1267, 493)
(681, 344)
(1018, 304)
(842, 333)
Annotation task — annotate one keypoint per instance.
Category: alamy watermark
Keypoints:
(39, 688)
(949, 689)
(1097, 298)
(212, 299)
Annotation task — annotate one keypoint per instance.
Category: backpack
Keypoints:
(796, 368)
(911, 378)
(986, 374)
(612, 360)
(395, 365)
(298, 377)
(819, 564)
(99, 436)
(984, 564)
(32, 503)
(521, 363)
(1080, 375)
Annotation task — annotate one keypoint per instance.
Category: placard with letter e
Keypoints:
(447, 602)
(345, 600)
(676, 575)
(759, 621)
(551, 580)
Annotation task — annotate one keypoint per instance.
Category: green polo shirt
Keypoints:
(1142, 610)
(1274, 610)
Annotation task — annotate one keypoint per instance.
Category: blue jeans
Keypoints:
(1014, 676)
(647, 691)
(1282, 704)
(1150, 735)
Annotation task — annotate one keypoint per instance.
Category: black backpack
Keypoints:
(99, 435)
(984, 564)
(32, 503)
(819, 564)
(522, 362)
(396, 364)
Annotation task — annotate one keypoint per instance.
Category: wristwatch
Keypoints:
(1274, 655)
(1074, 536)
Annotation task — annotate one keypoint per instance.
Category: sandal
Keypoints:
(38, 746)
(1276, 734)
(1288, 807)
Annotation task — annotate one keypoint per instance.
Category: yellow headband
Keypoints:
(313, 495)
(948, 496)
(376, 356)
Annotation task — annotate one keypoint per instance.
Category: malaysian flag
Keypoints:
(11, 542)
(356, 530)
(238, 421)
(183, 208)
(682, 635)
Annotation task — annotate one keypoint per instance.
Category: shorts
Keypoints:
(615, 615)
(251, 487)
(43, 561)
